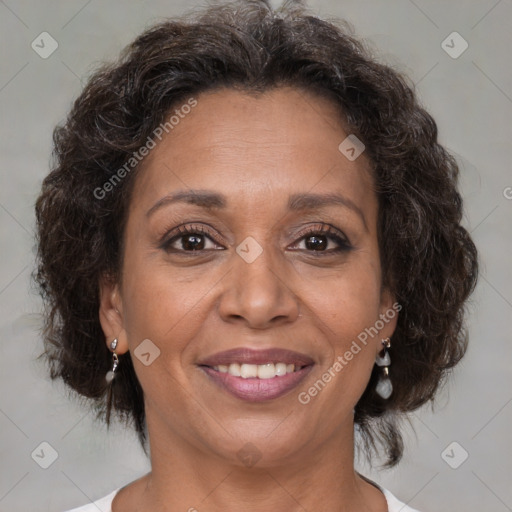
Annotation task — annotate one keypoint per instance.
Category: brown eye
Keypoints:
(316, 243)
(192, 242)
(189, 239)
(325, 239)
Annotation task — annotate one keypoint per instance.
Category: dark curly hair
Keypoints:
(428, 259)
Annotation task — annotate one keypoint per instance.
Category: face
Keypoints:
(250, 240)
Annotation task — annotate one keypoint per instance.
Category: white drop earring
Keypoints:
(384, 386)
(109, 377)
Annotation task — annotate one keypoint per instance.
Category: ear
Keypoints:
(111, 314)
(388, 316)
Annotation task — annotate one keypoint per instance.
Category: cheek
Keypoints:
(162, 307)
(348, 300)
(159, 307)
(346, 307)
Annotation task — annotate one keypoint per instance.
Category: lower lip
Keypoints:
(257, 390)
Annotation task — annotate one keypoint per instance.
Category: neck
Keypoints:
(187, 477)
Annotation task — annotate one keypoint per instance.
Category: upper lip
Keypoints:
(257, 356)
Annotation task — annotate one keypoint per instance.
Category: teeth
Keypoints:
(266, 371)
(260, 371)
(248, 370)
(280, 369)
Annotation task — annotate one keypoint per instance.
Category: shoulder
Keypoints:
(103, 504)
(394, 504)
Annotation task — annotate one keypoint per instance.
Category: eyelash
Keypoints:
(329, 232)
(324, 230)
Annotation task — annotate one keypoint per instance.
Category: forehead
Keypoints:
(255, 146)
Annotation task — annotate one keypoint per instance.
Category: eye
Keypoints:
(188, 239)
(324, 239)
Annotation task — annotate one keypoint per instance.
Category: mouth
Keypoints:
(257, 375)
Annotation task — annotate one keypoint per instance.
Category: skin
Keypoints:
(256, 151)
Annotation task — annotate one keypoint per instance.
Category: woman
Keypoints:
(249, 245)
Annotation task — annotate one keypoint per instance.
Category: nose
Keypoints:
(258, 294)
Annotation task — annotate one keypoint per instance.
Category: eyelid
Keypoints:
(175, 233)
(325, 229)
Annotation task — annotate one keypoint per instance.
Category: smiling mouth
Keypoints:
(256, 375)
(256, 383)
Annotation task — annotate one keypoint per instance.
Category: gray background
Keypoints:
(471, 99)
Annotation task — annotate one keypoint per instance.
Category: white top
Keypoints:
(105, 504)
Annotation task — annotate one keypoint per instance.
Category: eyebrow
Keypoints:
(202, 198)
(297, 202)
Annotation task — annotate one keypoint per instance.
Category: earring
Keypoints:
(384, 387)
(109, 377)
